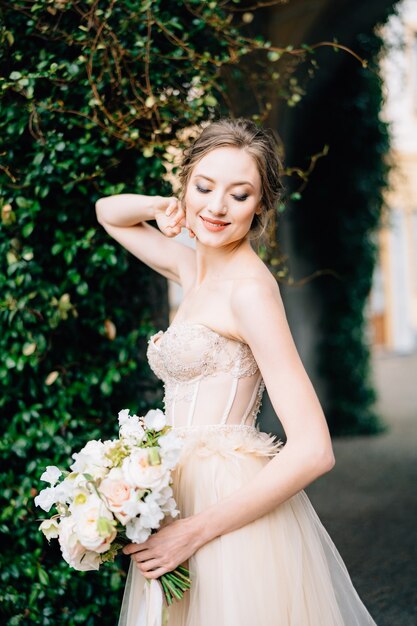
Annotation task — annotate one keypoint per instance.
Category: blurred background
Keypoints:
(101, 98)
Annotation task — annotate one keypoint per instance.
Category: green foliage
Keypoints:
(92, 95)
(335, 227)
(89, 92)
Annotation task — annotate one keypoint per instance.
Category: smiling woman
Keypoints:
(265, 166)
(244, 511)
(219, 197)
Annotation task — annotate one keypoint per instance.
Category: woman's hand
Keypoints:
(164, 550)
(170, 217)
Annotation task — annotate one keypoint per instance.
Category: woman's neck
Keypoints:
(216, 263)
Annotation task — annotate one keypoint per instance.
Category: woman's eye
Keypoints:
(201, 189)
(241, 198)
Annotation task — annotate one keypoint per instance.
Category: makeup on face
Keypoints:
(222, 191)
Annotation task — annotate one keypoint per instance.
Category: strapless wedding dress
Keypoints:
(283, 568)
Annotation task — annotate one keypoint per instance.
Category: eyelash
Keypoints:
(238, 198)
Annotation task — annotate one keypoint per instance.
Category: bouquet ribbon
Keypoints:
(146, 600)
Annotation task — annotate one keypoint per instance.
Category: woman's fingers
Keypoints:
(190, 231)
(172, 204)
(178, 217)
(156, 573)
(135, 548)
(146, 566)
(130, 548)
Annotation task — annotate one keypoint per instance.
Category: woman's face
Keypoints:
(224, 186)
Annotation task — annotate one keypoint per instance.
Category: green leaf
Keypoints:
(43, 576)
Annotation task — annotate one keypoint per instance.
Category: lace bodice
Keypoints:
(208, 378)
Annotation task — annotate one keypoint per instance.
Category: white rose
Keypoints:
(46, 498)
(72, 551)
(136, 532)
(51, 474)
(171, 446)
(155, 419)
(50, 528)
(94, 523)
(139, 473)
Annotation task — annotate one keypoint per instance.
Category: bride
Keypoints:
(257, 552)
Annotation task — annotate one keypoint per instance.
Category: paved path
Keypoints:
(368, 502)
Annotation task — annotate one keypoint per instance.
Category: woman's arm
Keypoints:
(124, 217)
(261, 322)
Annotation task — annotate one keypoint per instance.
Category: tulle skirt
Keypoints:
(280, 570)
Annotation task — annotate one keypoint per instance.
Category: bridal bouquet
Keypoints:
(118, 491)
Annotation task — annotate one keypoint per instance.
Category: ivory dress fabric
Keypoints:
(283, 568)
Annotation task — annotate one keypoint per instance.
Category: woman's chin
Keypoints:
(221, 242)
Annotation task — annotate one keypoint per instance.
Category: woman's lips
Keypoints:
(213, 227)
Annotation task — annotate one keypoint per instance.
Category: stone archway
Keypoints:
(346, 401)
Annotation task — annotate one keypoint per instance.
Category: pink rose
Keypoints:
(116, 492)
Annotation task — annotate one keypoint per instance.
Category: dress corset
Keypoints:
(208, 378)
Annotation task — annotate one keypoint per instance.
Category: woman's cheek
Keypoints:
(193, 206)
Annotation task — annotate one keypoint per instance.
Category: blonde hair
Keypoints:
(260, 143)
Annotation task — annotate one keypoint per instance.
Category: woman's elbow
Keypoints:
(325, 460)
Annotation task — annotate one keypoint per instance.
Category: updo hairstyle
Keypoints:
(260, 143)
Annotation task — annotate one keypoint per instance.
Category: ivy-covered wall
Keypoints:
(92, 97)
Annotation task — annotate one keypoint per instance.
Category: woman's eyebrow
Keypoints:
(242, 182)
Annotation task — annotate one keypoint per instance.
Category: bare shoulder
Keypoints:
(256, 303)
(256, 291)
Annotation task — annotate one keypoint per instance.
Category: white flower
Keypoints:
(123, 416)
(91, 459)
(136, 532)
(88, 561)
(165, 500)
(139, 473)
(94, 523)
(73, 552)
(162, 495)
(130, 508)
(130, 427)
(66, 490)
(155, 419)
(150, 512)
(170, 507)
(46, 498)
(132, 430)
(171, 446)
(50, 528)
(51, 474)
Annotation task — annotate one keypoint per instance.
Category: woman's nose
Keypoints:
(217, 205)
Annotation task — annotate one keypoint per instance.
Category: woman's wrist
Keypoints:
(159, 204)
(202, 527)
